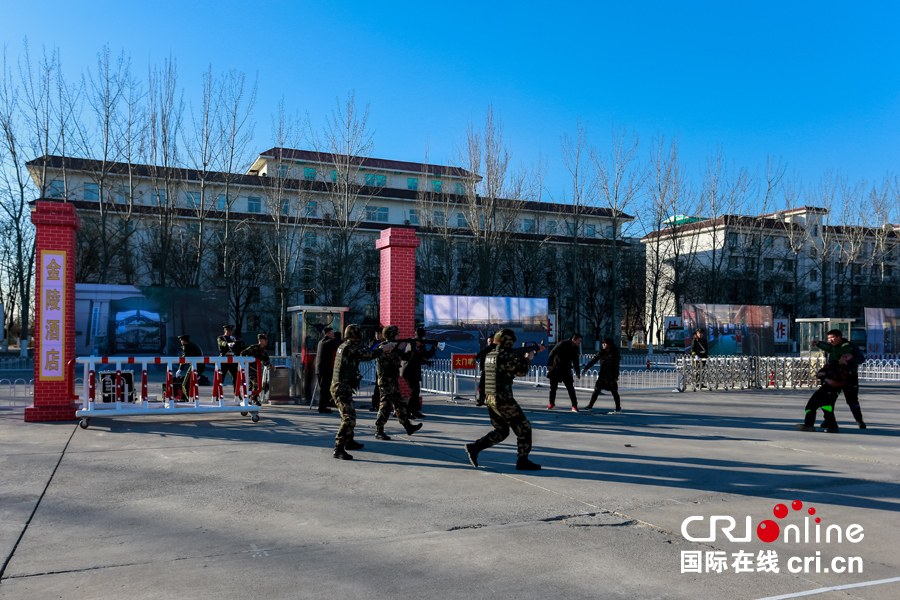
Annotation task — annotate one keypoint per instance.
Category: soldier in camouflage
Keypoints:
(388, 367)
(257, 351)
(343, 382)
(500, 368)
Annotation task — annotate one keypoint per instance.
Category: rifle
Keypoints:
(412, 342)
(528, 347)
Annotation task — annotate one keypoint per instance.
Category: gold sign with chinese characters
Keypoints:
(52, 327)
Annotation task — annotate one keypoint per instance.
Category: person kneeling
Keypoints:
(834, 376)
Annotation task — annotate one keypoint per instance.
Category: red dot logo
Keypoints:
(796, 505)
(780, 511)
(768, 531)
(811, 510)
(818, 520)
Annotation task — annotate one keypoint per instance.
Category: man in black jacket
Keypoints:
(411, 371)
(489, 346)
(562, 360)
(328, 345)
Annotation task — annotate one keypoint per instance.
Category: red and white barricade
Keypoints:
(119, 395)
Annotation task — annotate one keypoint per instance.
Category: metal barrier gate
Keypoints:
(147, 404)
(748, 372)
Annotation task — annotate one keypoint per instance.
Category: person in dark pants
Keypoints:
(376, 392)
(480, 358)
(609, 359)
(228, 347)
(325, 350)
(259, 352)
(188, 349)
(412, 373)
(700, 346)
(836, 347)
(562, 360)
(834, 376)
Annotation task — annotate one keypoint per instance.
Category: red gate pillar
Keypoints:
(398, 283)
(54, 324)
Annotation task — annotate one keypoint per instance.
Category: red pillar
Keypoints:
(398, 283)
(54, 323)
(398, 279)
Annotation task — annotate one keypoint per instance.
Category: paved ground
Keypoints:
(218, 507)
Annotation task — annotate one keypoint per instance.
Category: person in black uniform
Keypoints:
(228, 346)
(376, 392)
(188, 349)
(700, 346)
(562, 360)
(325, 350)
(608, 378)
(489, 347)
(412, 373)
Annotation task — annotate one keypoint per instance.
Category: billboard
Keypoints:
(463, 323)
(882, 332)
(732, 328)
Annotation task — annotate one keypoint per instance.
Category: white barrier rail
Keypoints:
(147, 404)
(16, 392)
(21, 363)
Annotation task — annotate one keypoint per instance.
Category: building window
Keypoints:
(750, 264)
(222, 202)
(376, 180)
(334, 177)
(767, 242)
(413, 216)
(610, 232)
(460, 220)
(55, 189)
(91, 191)
(370, 311)
(769, 263)
(193, 200)
(254, 204)
(591, 231)
(436, 187)
(286, 205)
(311, 208)
(412, 183)
(481, 221)
(282, 171)
(374, 213)
(788, 287)
(124, 194)
(855, 269)
(732, 239)
(787, 265)
(439, 218)
(253, 320)
(310, 240)
(813, 275)
(551, 227)
(529, 225)
(732, 262)
(460, 189)
(888, 271)
(159, 197)
(813, 297)
(815, 231)
(309, 174)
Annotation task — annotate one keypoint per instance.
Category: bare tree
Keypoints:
(620, 180)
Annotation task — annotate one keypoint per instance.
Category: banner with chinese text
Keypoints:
(52, 326)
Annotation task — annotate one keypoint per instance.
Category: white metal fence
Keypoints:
(16, 392)
(17, 363)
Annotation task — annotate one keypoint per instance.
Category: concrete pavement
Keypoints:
(219, 507)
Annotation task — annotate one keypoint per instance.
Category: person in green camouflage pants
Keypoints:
(388, 366)
(343, 382)
(257, 351)
(501, 367)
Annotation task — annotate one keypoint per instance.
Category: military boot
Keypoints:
(411, 429)
(381, 435)
(472, 451)
(523, 464)
(354, 445)
(340, 453)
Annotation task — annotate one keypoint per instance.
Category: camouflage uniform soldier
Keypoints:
(343, 382)
(501, 366)
(188, 349)
(257, 351)
(388, 373)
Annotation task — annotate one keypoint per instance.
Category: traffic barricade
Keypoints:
(241, 401)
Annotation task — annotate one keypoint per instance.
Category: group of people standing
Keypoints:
(228, 345)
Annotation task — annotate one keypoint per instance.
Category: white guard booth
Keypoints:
(241, 401)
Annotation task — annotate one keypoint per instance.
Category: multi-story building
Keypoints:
(793, 260)
(299, 228)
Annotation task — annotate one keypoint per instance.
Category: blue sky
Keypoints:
(814, 83)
